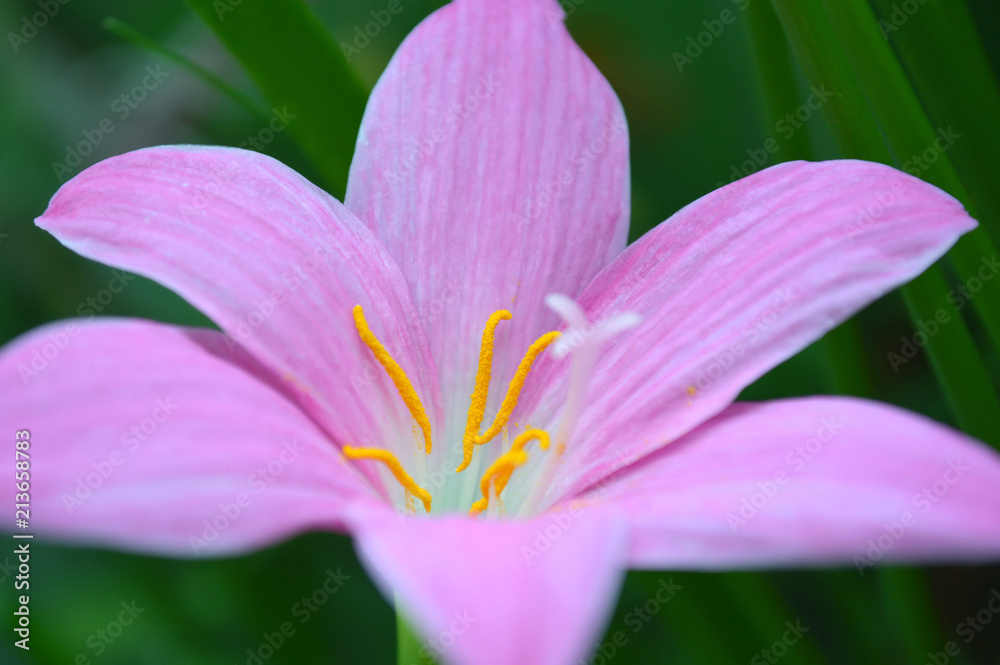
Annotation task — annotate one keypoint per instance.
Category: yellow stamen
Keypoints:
(500, 471)
(397, 375)
(514, 390)
(395, 467)
(478, 407)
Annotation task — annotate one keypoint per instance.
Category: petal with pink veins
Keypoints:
(731, 286)
(816, 481)
(160, 439)
(492, 162)
(277, 263)
(495, 593)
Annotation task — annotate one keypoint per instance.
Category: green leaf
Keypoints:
(910, 135)
(904, 593)
(765, 610)
(869, 103)
(848, 374)
(940, 50)
(774, 66)
(301, 71)
(130, 34)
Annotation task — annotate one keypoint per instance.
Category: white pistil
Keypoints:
(583, 340)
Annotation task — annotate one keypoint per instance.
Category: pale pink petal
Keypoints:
(274, 261)
(159, 439)
(492, 162)
(734, 284)
(817, 481)
(496, 593)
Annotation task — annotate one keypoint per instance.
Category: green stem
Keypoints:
(409, 647)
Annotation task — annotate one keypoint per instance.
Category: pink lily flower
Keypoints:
(481, 252)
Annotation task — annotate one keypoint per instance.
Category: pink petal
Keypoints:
(159, 439)
(492, 162)
(819, 480)
(734, 284)
(274, 261)
(496, 593)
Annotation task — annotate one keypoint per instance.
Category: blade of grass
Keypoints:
(774, 65)
(941, 52)
(774, 68)
(299, 68)
(762, 606)
(911, 136)
(904, 594)
(964, 381)
(135, 37)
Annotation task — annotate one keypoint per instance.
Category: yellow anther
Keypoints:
(500, 471)
(479, 394)
(395, 467)
(514, 390)
(396, 373)
(481, 390)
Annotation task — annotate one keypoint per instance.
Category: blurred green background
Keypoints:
(691, 124)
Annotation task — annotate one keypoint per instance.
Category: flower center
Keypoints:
(498, 474)
(581, 339)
